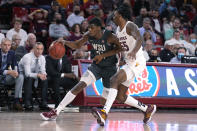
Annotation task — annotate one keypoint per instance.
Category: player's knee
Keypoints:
(114, 81)
(78, 88)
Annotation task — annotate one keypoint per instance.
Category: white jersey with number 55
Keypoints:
(128, 43)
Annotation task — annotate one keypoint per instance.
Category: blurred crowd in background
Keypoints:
(165, 25)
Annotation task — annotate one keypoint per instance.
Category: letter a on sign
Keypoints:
(171, 83)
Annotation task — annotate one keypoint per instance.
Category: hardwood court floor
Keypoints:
(84, 121)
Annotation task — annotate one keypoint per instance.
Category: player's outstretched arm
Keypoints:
(132, 30)
(78, 43)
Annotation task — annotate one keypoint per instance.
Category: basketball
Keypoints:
(57, 50)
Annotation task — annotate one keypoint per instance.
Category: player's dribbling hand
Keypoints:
(64, 42)
(98, 58)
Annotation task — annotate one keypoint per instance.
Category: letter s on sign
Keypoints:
(192, 91)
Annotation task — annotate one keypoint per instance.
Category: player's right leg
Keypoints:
(131, 72)
(148, 110)
(86, 79)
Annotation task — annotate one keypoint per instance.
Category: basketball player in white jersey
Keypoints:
(130, 38)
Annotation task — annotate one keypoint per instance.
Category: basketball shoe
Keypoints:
(100, 115)
(149, 113)
(49, 116)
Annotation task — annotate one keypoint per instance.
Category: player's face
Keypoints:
(93, 30)
(116, 18)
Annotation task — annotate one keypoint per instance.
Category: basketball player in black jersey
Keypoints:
(105, 46)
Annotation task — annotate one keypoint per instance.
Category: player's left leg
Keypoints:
(102, 102)
(101, 115)
(87, 78)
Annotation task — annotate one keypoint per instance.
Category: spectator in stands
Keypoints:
(80, 54)
(194, 24)
(75, 17)
(182, 15)
(166, 54)
(40, 25)
(175, 39)
(196, 52)
(45, 4)
(193, 39)
(55, 8)
(84, 26)
(9, 72)
(168, 22)
(98, 13)
(16, 39)
(190, 44)
(90, 6)
(148, 46)
(57, 29)
(195, 29)
(75, 33)
(175, 48)
(180, 53)
(168, 6)
(1, 37)
(59, 73)
(107, 5)
(69, 8)
(168, 34)
(147, 27)
(29, 44)
(33, 67)
(17, 30)
(156, 22)
(110, 23)
(139, 4)
(146, 36)
(139, 19)
(154, 55)
(190, 11)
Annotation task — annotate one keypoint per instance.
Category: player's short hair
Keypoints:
(125, 11)
(96, 21)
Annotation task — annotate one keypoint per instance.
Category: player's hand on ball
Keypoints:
(98, 58)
